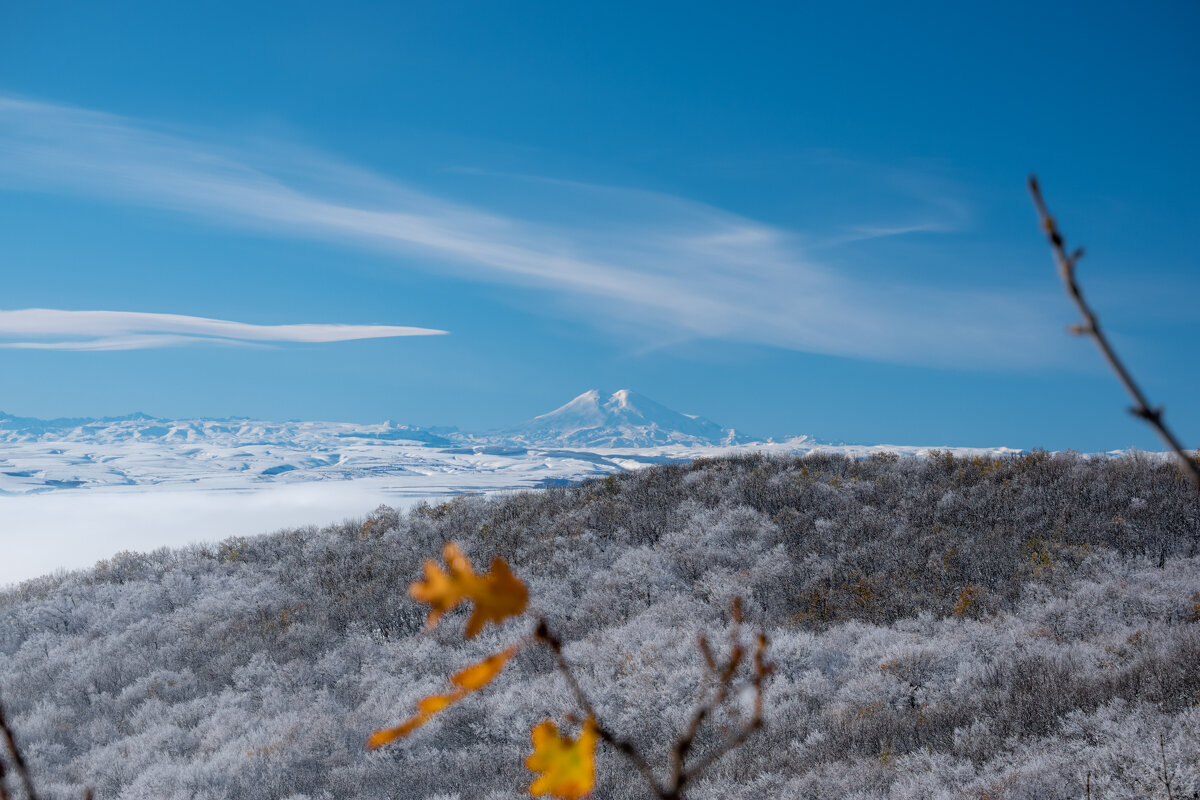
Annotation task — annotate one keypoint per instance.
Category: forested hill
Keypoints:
(941, 628)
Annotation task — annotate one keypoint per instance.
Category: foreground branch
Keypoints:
(18, 761)
(711, 698)
(1091, 327)
(623, 746)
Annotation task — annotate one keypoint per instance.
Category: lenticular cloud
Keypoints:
(53, 329)
(627, 259)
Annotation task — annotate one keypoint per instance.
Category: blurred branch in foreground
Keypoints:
(18, 761)
(721, 677)
(1091, 327)
(567, 766)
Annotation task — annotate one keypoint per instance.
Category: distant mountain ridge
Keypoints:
(591, 435)
(31, 424)
(230, 430)
(624, 419)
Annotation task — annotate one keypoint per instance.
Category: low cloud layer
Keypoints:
(657, 266)
(54, 329)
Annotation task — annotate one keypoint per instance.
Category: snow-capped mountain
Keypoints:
(76, 490)
(624, 419)
(591, 435)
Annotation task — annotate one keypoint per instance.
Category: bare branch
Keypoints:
(761, 670)
(709, 660)
(722, 674)
(1091, 327)
(1167, 773)
(626, 748)
(705, 706)
(17, 759)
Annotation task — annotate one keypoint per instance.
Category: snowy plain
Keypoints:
(73, 492)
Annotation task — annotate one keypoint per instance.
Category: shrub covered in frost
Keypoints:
(941, 627)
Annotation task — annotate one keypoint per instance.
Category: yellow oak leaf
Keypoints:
(444, 590)
(497, 595)
(500, 595)
(477, 676)
(568, 767)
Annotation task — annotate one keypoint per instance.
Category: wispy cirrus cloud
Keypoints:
(54, 329)
(623, 259)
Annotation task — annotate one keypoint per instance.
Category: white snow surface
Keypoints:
(625, 419)
(75, 491)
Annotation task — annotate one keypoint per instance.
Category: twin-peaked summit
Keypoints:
(590, 421)
(624, 419)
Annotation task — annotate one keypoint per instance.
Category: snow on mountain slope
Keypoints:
(591, 435)
(625, 419)
(143, 428)
(75, 490)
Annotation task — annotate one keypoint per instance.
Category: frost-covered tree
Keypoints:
(1020, 627)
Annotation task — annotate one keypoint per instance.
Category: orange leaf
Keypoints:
(426, 708)
(568, 767)
(380, 738)
(441, 589)
(438, 702)
(497, 595)
(477, 676)
(466, 680)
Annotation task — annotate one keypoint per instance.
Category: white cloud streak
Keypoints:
(624, 259)
(54, 329)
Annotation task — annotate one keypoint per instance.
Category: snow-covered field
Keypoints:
(75, 491)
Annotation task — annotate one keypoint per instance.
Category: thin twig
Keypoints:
(17, 759)
(1091, 327)
(723, 674)
(761, 671)
(710, 661)
(3, 790)
(622, 746)
(724, 677)
(684, 744)
(1166, 775)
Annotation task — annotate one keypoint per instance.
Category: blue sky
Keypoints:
(789, 218)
